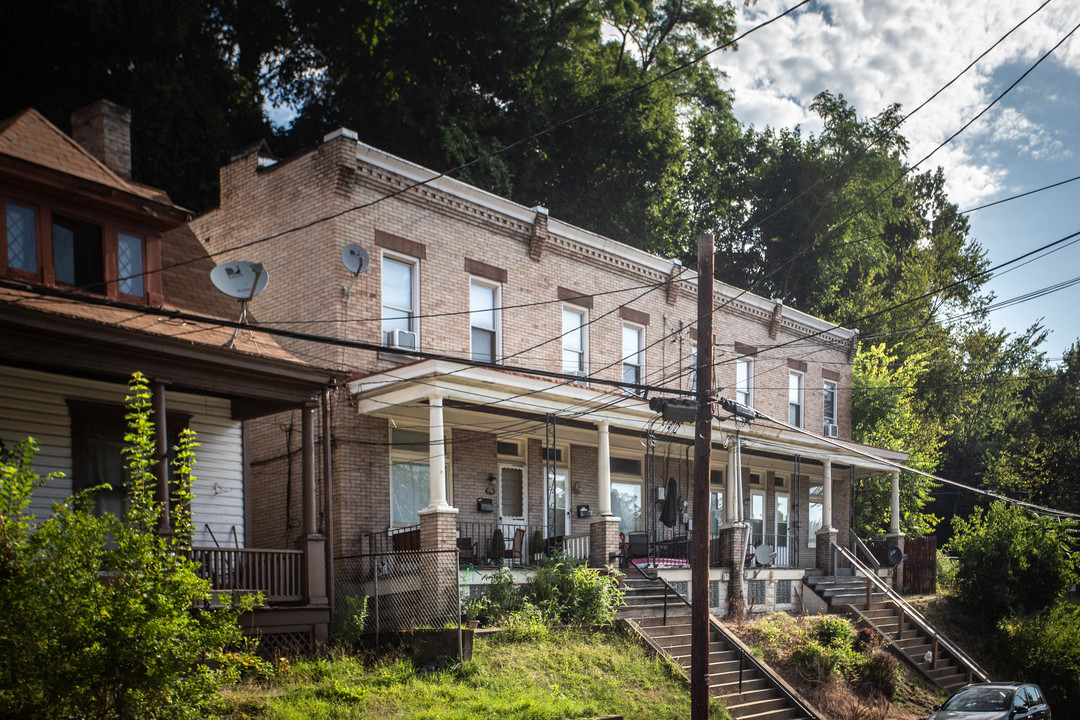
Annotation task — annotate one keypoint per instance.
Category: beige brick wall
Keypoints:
(311, 291)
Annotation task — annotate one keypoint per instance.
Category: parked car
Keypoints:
(994, 701)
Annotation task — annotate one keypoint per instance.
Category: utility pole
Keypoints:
(699, 614)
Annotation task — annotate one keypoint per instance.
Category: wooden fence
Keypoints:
(920, 567)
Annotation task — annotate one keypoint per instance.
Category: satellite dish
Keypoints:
(356, 258)
(896, 555)
(763, 555)
(241, 279)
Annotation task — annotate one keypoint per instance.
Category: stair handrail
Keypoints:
(745, 654)
(857, 542)
(914, 615)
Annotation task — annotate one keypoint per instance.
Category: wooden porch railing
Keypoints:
(275, 573)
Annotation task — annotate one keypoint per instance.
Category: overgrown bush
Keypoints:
(946, 572)
(98, 614)
(351, 628)
(1011, 561)
(569, 592)
(1046, 647)
(526, 623)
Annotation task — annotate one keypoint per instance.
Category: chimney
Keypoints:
(103, 128)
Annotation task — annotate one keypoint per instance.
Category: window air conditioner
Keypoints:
(832, 430)
(404, 339)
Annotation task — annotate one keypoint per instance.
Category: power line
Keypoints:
(1021, 195)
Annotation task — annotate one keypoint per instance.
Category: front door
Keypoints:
(782, 520)
(561, 510)
(513, 499)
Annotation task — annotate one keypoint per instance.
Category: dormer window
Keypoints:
(21, 238)
(78, 254)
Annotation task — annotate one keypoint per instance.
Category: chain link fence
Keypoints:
(405, 590)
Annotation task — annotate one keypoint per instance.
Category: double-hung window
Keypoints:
(410, 454)
(795, 399)
(830, 408)
(744, 381)
(400, 301)
(633, 361)
(626, 500)
(575, 341)
(484, 321)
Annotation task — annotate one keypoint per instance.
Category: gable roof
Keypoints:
(30, 137)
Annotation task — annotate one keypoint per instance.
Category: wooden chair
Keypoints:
(514, 552)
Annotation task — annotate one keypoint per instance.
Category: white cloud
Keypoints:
(877, 52)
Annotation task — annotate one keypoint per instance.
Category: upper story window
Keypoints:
(744, 381)
(79, 253)
(633, 361)
(575, 341)
(830, 429)
(20, 228)
(400, 300)
(795, 399)
(484, 321)
(693, 368)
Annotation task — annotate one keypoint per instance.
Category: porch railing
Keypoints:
(274, 573)
(391, 540)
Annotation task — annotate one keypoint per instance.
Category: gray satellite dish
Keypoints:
(242, 280)
(356, 258)
(763, 555)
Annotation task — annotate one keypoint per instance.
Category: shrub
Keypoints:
(1047, 647)
(569, 592)
(526, 623)
(1011, 561)
(946, 572)
(879, 672)
(97, 613)
(351, 629)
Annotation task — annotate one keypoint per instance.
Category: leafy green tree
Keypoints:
(1010, 561)
(100, 616)
(885, 414)
(1039, 460)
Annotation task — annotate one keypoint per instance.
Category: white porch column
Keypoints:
(826, 508)
(894, 521)
(436, 454)
(603, 469)
(731, 484)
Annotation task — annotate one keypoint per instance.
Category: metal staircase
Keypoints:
(751, 690)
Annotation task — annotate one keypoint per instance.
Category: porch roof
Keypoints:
(404, 392)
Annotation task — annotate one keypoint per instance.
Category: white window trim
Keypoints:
(749, 362)
(802, 396)
(836, 398)
(628, 479)
(401, 454)
(497, 311)
(415, 316)
(584, 313)
(640, 355)
(811, 536)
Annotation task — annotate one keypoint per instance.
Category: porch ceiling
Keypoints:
(511, 403)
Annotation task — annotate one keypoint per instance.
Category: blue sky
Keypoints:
(876, 52)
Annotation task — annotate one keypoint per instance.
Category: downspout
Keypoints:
(328, 477)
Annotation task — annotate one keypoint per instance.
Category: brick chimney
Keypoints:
(104, 129)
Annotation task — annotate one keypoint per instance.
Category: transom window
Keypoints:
(484, 321)
(574, 340)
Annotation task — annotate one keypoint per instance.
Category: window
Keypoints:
(626, 492)
(409, 476)
(817, 492)
(782, 519)
(693, 368)
(633, 344)
(795, 399)
(574, 341)
(830, 407)
(484, 321)
(757, 518)
(78, 254)
(400, 300)
(20, 227)
(744, 381)
(130, 264)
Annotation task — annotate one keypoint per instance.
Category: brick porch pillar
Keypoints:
(603, 540)
(311, 541)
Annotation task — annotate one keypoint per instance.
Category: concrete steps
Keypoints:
(748, 693)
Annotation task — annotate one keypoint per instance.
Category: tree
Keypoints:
(99, 615)
(1011, 561)
(884, 412)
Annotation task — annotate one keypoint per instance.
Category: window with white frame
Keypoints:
(716, 500)
(633, 360)
(484, 321)
(693, 368)
(757, 517)
(744, 381)
(795, 399)
(575, 341)
(400, 301)
(410, 454)
(626, 501)
(815, 505)
(830, 408)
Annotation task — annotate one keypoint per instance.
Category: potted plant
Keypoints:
(498, 545)
(536, 545)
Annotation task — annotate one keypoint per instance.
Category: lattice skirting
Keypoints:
(274, 645)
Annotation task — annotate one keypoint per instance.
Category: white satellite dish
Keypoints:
(241, 279)
(356, 258)
(763, 555)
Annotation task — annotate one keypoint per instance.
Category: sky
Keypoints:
(879, 52)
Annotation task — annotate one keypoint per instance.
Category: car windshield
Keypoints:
(979, 699)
